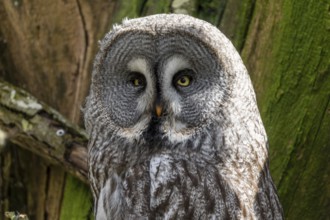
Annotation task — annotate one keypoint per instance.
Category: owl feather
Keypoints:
(175, 132)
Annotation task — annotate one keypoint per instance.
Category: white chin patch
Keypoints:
(134, 133)
(176, 132)
(176, 137)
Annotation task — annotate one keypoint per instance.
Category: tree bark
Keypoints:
(47, 48)
(287, 51)
(40, 129)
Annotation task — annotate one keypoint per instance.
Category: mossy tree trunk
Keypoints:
(287, 51)
(47, 47)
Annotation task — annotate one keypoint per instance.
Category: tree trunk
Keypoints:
(47, 48)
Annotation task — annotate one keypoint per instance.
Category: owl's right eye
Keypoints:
(137, 79)
(183, 78)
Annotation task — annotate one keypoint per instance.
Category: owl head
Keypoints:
(174, 125)
(169, 77)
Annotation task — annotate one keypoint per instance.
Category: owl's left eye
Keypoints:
(137, 79)
(183, 81)
(183, 78)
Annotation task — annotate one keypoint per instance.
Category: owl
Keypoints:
(175, 132)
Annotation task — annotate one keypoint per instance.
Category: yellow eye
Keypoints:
(183, 81)
(136, 82)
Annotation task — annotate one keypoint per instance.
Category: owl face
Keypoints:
(172, 116)
(160, 84)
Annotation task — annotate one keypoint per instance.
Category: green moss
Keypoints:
(138, 8)
(295, 105)
(244, 18)
(156, 7)
(183, 6)
(210, 10)
(77, 201)
(127, 9)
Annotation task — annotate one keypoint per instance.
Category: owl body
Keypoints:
(175, 132)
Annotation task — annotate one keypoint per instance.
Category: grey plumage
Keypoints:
(205, 157)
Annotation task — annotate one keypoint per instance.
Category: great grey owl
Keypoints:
(175, 132)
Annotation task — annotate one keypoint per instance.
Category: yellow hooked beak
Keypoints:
(158, 110)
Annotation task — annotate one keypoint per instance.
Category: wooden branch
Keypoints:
(37, 127)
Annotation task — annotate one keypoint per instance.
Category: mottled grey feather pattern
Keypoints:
(205, 157)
